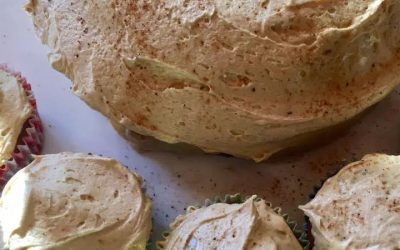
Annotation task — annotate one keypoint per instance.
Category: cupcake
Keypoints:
(74, 201)
(359, 207)
(232, 224)
(21, 132)
(245, 78)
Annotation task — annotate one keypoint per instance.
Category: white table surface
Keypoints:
(173, 179)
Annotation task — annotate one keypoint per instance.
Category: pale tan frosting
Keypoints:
(251, 225)
(74, 201)
(15, 109)
(248, 78)
(359, 208)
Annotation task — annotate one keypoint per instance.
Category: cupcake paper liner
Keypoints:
(31, 138)
(238, 199)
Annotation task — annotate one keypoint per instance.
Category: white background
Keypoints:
(173, 179)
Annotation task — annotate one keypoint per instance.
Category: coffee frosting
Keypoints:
(251, 225)
(15, 109)
(359, 208)
(74, 201)
(247, 78)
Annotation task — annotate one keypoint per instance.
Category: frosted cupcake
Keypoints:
(252, 224)
(74, 201)
(358, 208)
(21, 132)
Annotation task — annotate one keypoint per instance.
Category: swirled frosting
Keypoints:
(247, 78)
(251, 225)
(74, 201)
(15, 109)
(359, 208)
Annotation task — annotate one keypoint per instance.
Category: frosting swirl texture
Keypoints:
(74, 201)
(359, 208)
(251, 225)
(247, 78)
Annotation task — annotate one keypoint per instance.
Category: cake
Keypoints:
(246, 78)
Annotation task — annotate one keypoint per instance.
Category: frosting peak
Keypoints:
(359, 208)
(251, 225)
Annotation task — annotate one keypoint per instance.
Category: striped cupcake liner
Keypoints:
(239, 199)
(31, 138)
